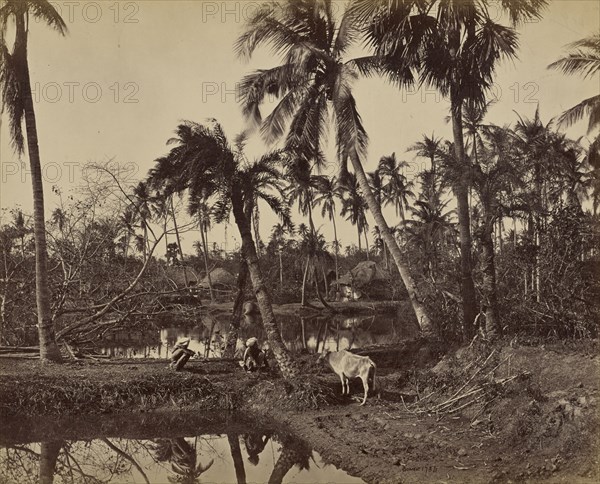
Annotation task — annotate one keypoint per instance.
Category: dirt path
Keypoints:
(542, 428)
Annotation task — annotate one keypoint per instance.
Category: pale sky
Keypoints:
(127, 72)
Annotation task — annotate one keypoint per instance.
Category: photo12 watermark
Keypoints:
(93, 12)
(65, 172)
(90, 92)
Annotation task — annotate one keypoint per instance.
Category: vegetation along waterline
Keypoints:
(370, 195)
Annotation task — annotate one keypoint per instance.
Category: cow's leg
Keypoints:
(365, 380)
(342, 380)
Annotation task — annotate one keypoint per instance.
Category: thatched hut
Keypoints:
(220, 279)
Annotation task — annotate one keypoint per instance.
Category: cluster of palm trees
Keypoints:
(453, 46)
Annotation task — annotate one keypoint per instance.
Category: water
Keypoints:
(310, 335)
(159, 452)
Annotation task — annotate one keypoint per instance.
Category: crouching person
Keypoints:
(254, 357)
(181, 354)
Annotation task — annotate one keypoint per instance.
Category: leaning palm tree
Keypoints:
(313, 81)
(15, 86)
(454, 46)
(238, 184)
(584, 59)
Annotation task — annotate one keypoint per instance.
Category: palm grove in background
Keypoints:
(538, 275)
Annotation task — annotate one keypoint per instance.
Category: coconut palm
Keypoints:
(454, 47)
(278, 233)
(143, 206)
(238, 184)
(199, 208)
(17, 101)
(301, 188)
(313, 81)
(427, 148)
(354, 207)
(397, 188)
(329, 190)
(584, 59)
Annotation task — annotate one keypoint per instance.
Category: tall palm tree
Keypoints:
(376, 184)
(584, 59)
(199, 208)
(15, 86)
(455, 47)
(354, 206)
(329, 190)
(238, 185)
(314, 80)
(143, 201)
(397, 188)
(278, 233)
(427, 148)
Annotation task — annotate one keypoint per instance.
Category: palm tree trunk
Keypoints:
(236, 315)
(206, 268)
(366, 241)
(337, 275)
(415, 297)
(284, 360)
(236, 455)
(319, 295)
(49, 350)
(304, 281)
(469, 301)
(185, 279)
(287, 459)
(359, 237)
(49, 452)
(280, 269)
(489, 278)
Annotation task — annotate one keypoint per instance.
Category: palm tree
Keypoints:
(301, 187)
(584, 59)
(313, 80)
(15, 86)
(143, 202)
(238, 185)
(397, 188)
(354, 206)
(376, 183)
(427, 148)
(199, 208)
(278, 233)
(455, 47)
(328, 191)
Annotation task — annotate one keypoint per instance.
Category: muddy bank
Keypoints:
(537, 420)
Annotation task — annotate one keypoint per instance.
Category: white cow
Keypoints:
(348, 365)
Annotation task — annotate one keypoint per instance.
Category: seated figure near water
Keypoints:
(181, 354)
(254, 357)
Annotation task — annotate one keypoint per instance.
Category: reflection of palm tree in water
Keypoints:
(255, 443)
(183, 459)
(292, 453)
(48, 456)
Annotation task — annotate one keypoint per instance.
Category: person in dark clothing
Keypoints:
(254, 357)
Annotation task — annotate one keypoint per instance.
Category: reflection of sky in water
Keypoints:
(299, 334)
(118, 460)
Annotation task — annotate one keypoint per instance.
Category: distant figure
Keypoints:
(480, 321)
(255, 444)
(181, 354)
(254, 357)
